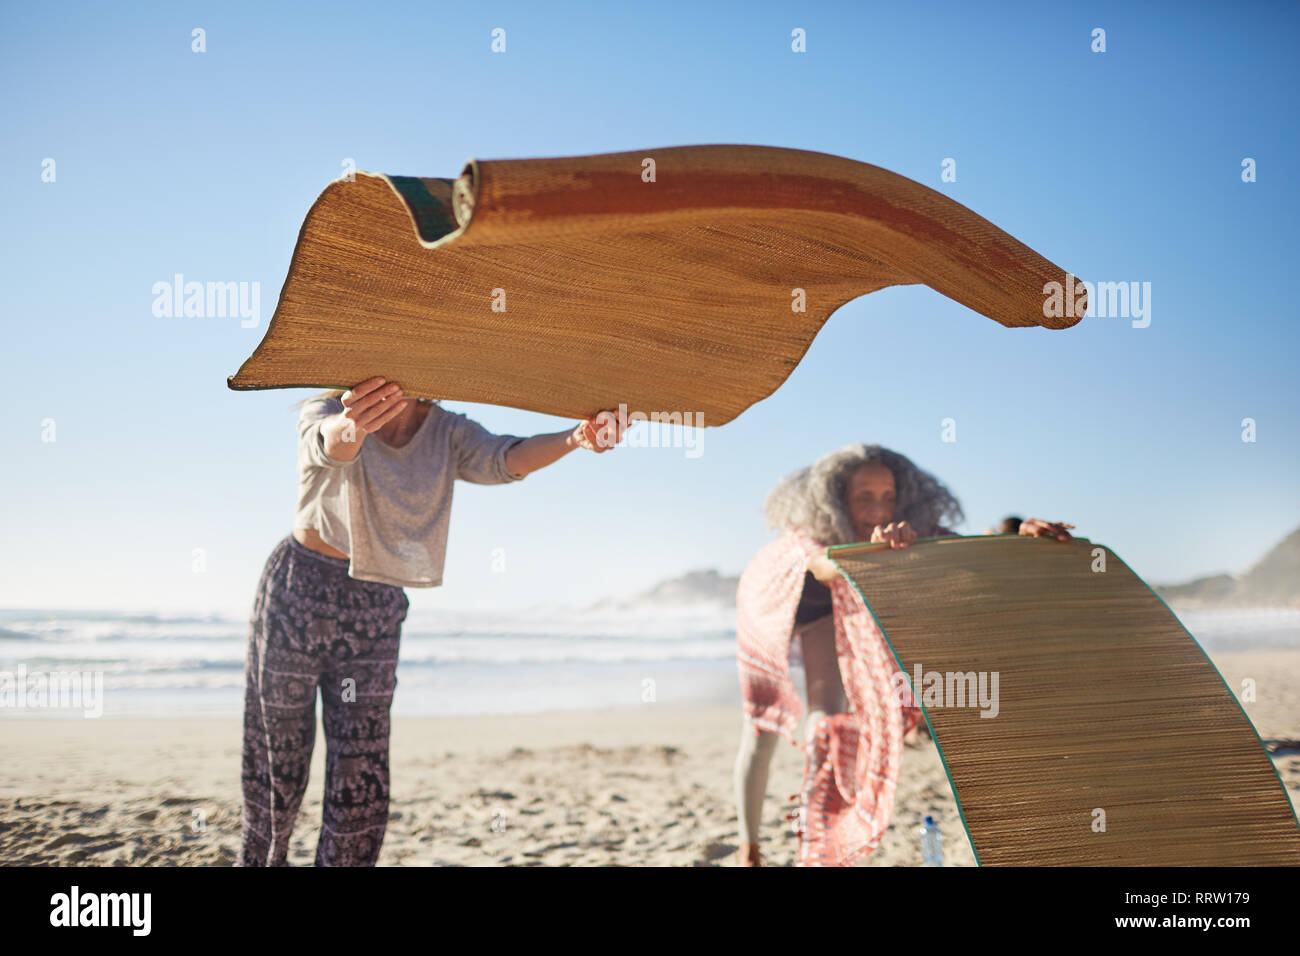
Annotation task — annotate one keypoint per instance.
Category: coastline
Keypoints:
(648, 785)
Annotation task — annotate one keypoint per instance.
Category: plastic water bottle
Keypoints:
(931, 843)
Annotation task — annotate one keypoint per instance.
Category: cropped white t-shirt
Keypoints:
(389, 508)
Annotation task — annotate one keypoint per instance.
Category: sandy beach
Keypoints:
(649, 786)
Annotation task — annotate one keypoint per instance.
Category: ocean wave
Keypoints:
(1243, 628)
(667, 624)
(144, 654)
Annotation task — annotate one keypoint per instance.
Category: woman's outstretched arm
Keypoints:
(595, 434)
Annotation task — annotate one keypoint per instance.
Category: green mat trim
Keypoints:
(830, 553)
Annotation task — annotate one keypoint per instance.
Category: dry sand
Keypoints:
(651, 786)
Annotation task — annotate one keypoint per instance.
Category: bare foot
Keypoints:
(748, 855)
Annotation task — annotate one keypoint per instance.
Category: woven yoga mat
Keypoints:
(1105, 702)
(570, 285)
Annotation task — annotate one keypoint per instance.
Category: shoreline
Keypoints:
(636, 786)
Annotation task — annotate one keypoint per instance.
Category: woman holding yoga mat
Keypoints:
(375, 477)
(858, 493)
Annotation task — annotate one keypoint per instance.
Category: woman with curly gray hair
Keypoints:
(857, 493)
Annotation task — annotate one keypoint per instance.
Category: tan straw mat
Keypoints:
(1115, 740)
(689, 279)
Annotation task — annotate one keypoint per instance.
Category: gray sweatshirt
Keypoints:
(388, 509)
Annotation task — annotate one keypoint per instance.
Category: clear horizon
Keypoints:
(587, 607)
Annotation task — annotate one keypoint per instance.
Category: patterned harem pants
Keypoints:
(315, 626)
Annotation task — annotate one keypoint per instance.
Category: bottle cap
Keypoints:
(929, 820)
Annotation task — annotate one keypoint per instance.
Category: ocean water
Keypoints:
(451, 663)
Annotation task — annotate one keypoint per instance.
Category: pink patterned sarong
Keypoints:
(851, 773)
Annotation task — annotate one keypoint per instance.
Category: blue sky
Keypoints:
(1118, 166)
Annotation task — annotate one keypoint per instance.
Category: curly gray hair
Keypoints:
(813, 498)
